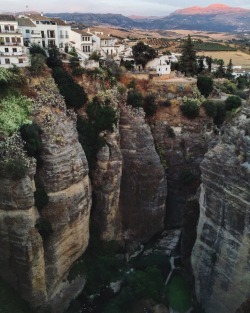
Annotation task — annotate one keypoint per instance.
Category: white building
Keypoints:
(82, 42)
(44, 31)
(162, 65)
(12, 50)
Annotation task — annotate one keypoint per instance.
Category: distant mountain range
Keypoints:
(215, 17)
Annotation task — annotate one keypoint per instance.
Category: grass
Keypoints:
(10, 301)
(178, 294)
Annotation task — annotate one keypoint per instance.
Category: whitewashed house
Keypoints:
(162, 65)
(82, 42)
(44, 31)
(12, 49)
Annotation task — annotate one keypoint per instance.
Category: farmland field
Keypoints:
(238, 57)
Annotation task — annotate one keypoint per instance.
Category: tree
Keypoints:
(54, 59)
(229, 69)
(201, 66)
(190, 109)
(220, 70)
(37, 49)
(209, 63)
(37, 63)
(143, 53)
(188, 63)
(149, 104)
(232, 102)
(135, 98)
(205, 85)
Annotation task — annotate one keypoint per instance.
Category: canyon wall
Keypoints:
(220, 257)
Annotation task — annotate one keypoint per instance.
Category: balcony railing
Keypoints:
(10, 44)
(16, 31)
(13, 54)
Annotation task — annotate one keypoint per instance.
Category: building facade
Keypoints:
(12, 49)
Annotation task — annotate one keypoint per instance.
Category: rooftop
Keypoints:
(24, 21)
(7, 18)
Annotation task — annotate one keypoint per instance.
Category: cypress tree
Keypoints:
(188, 63)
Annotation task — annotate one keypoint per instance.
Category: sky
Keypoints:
(125, 7)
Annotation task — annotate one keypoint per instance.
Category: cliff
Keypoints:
(35, 265)
(143, 184)
(220, 257)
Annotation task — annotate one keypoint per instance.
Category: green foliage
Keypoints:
(74, 62)
(73, 52)
(44, 227)
(178, 294)
(147, 284)
(233, 102)
(54, 58)
(37, 49)
(37, 63)
(73, 93)
(15, 111)
(220, 72)
(101, 115)
(211, 46)
(14, 162)
(190, 109)
(40, 195)
(188, 63)
(78, 71)
(10, 300)
(6, 76)
(94, 56)
(210, 108)
(114, 71)
(135, 98)
(205, 85)
(31, 134)
(228, 87)
(149, 104)
(143, 53)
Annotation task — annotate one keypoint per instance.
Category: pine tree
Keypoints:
(188, 63)
(230, 69)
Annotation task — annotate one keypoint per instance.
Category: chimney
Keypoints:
(41, 13)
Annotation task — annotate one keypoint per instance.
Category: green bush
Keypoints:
(205, 85)
(149, 104)
(31, 134)
(37, 49)
(190, 109)
(15, 111)
(37, 63)
(14, 168)
(73, 93)
(135, 98)
(44, 227)
(78, 71)
(233, 102)
(74, 61)
(210, 108)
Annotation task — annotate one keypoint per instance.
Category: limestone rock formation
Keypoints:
(34, 265)
(106, 188)
(143, 184)
(220, 257)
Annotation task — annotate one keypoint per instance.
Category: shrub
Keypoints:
(15, 168)
(78, 71)
(134, 98)
(74, 61)
(37, 62)
(44, 227)
(37, 49)
(165, 103)
(149, 104)
(210, 108)
(73, 93)
(205, 85)
(15, 112)
(190, 109)
(31, 134)
(233, 102)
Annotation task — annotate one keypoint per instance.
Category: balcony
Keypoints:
(10, 32)
(12, 54)
(10, 44)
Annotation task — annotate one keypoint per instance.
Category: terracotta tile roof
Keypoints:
(82, 32)
(60, 22)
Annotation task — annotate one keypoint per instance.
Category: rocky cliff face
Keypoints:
(34, 265)
(143, 183)
(220, 257)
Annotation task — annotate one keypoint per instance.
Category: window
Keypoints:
(18, 40)
(12, 27)
(7, 39)
(51, 33)
(7, 61)
(27, 31)
(14, 49)
(20, 60)
(66, 34)
(6, 49)
(13, 39)
(6, 27)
